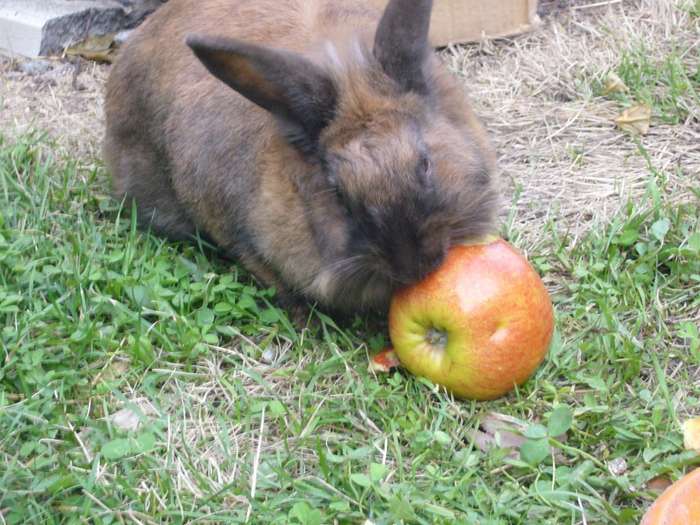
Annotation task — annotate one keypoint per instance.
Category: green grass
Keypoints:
(670, 86)
(242, 418)
(97, 316)
(694, 9)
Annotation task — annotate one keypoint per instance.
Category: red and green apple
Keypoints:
(479, 325)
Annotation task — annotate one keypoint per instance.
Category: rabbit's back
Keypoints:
(197, 157)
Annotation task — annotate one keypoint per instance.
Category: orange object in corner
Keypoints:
(679, 504)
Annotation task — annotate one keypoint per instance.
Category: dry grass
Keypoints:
(559, 146)
(65, 102)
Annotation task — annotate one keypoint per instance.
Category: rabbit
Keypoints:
(320, 143)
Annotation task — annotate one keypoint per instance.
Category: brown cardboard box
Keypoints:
(456, 21)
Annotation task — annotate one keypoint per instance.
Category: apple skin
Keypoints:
(478, 325)
(678, 505)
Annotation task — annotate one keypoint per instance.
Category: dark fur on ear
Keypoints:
(295, 90)
(401, 43)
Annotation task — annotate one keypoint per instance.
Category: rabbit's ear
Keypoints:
(401, 43)
(296, 91)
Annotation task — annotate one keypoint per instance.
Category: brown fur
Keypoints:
(195, 155)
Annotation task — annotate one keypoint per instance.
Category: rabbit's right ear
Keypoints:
(401, 42)
(295, 90)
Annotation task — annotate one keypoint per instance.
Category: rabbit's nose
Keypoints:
(420, 265)
(413, 259)
(432, 252)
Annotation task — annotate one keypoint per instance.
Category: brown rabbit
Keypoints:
(319, 142)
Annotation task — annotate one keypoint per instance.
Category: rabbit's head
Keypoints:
(399, 169)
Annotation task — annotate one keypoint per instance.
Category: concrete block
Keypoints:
(46, 27)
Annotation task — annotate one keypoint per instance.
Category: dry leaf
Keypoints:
(635, 120)
(691, 434)
(97, 48)
(126, 420)
(493, 422)
(614, 84)
(502, 431)
(385, 361)
(499, 430)
(114, 370)
(658, 484)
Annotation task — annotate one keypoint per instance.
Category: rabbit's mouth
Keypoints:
(375, 292)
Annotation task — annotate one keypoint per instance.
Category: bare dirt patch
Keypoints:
(58, 97)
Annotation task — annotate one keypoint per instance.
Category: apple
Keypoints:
(478, 325)
(679, 504)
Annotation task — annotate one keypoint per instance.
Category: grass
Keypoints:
(695, 9)
(244, 418)
(149, 382)
(668, 86)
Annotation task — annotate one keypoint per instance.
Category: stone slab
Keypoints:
(46, 27)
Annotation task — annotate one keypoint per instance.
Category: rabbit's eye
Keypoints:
(425, 170)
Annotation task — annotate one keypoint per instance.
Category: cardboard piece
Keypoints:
(459, 21)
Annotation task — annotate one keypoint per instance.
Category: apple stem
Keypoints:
(437, 338)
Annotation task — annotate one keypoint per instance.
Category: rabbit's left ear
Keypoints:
(401, 43)
(295, 90)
